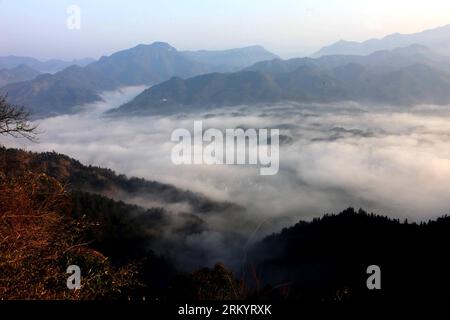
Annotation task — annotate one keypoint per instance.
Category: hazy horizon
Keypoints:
(287, 28)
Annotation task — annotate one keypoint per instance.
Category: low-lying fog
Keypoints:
(392, 161)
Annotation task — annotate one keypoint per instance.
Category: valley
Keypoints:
(210, 168)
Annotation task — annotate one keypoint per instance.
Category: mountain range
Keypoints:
(49, 66)
(17, 74)
(398, 70)
(142, 65)
(437, 39)
(232, 59)
(404, 76)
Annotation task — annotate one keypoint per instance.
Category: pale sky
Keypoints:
(286, 27)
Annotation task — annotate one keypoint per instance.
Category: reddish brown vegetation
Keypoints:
(39, 240)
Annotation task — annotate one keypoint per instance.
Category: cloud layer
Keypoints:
(388, 160)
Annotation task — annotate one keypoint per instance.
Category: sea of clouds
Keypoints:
(389, 160)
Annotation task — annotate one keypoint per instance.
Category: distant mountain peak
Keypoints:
(437, 39)
(52, 65)
(23, 67)
(17, 74)
(236, 58)
(413, 49)
(156, 45)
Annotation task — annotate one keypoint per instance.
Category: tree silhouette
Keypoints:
(14, 121)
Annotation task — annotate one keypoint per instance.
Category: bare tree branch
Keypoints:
(14, 121)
